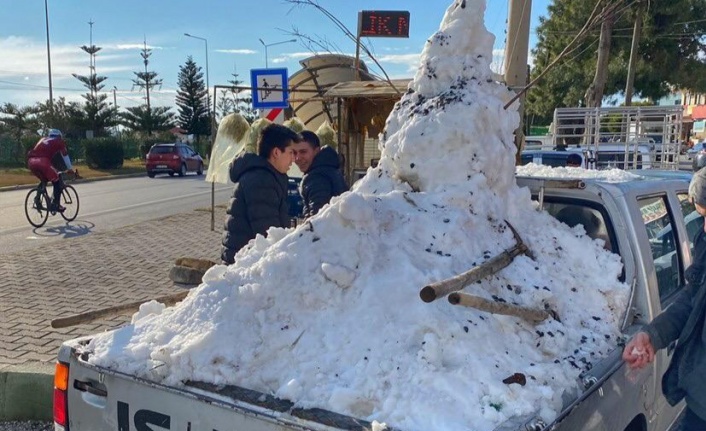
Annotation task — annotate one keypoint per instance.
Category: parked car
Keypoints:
(176, 158)
(698, 155)
(551, 158)
(294, 199)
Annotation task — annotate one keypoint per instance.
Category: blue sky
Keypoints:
(232, 27)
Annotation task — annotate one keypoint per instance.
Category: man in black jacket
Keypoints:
(322, 178)
(260, 196)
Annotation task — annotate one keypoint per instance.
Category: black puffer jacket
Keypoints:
(322, 181)
(259, 202)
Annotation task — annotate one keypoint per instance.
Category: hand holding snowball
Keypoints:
(639, 351)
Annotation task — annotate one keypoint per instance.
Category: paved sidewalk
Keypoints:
(92, 272)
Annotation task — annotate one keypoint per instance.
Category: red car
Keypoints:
(173, 159)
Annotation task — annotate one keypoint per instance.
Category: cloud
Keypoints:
(131, 46)
(283, 58)
(237, 51)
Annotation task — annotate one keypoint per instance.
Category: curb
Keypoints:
(26, 392)
(83, 180)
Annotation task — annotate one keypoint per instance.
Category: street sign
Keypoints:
(269, 88)
(383, 23)
(276, 115)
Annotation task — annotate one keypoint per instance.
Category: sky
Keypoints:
(232, 28)
(329, 315)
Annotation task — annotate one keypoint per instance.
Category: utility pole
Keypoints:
(636, 36)
(594, 93)
(516, 53)
(51, 91)
(115, 98)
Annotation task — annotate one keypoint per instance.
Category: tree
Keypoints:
(18, 122)
(66, 116)
(146, 80)
(233, 100)
(144, 119)
(97, 115)
(671, 53)
(192, 100)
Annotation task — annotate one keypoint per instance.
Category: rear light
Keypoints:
(61, 406)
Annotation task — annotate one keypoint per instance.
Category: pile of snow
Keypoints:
(608, 175)
(328, 315)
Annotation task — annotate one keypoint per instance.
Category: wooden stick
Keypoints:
(529, 314)
(442, 288)
(90, 316)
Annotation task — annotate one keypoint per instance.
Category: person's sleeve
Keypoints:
(319, 192)
(666, 327)
(262, 205)
(65, 155)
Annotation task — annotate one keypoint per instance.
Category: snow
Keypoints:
(328, 314)
(608, 175)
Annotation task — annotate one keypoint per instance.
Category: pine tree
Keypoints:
(145, 118)
(97, 115)
(192, 100)
(232, 100)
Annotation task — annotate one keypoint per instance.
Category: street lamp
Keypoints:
(266, 45)
(51, 93)
(210, 123)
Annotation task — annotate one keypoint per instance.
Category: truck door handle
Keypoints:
(671, 347)
(88, 387)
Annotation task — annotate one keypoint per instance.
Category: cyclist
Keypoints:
(49, 152)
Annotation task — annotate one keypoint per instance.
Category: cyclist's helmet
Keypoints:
(54, 133)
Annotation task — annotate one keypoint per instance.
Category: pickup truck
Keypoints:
(647, 220)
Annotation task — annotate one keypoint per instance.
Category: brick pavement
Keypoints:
(95, 271)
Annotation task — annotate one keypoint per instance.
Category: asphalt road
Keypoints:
(109, 204)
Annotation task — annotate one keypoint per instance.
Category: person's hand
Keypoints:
(639, 351)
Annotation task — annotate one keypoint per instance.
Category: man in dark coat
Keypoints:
(260, 196)
(683, 322)
(322, 178)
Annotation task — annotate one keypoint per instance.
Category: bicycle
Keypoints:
(38, 203)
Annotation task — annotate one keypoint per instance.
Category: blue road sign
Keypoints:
(269, 88)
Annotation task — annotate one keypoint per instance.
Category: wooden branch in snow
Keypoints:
(529, 314)
(442, 288)
(131, 307)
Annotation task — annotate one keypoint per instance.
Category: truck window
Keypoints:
(692, 220)
(593, 220)
(659, 225)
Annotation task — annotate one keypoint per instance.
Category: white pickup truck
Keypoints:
(647, 221)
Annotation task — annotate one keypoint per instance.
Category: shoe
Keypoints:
(56, 208)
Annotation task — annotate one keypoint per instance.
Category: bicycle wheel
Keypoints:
(36, 207)
(69, 200)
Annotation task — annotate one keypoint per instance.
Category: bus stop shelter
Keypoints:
(363, 108)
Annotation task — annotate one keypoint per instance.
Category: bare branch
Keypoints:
(346, 31)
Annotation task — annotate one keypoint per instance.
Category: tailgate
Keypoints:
(102, 399)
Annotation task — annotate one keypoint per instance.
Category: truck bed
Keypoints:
(123, 402)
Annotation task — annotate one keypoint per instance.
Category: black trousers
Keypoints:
(692, 422)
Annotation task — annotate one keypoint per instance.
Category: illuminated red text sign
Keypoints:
(384, 23)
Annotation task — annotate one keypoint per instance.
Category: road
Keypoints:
(109, 204)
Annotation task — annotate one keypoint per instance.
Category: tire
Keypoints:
(182, 170)
(36, 207)
(69, 200)
(150, 174)
(199, 171)
(171, 174)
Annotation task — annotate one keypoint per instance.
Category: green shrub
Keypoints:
(104, 153)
